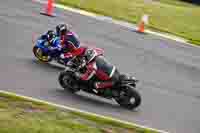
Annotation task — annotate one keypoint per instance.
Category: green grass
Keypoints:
(171, 16)
(18, 115)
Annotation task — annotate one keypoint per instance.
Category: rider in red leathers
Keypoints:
(99, 71)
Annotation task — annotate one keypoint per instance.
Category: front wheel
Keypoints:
(40, 55)
(68, 82)
(129, 98)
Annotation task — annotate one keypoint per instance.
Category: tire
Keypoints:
(125, 100)
(67, 75)
(41, 57)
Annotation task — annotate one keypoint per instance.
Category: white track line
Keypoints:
(80, 111)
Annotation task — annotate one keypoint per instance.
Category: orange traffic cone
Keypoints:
(141, 26)
(49, 9)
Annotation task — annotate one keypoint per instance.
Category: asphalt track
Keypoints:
(169, 72)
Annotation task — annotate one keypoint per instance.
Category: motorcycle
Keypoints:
(44, 54)
(123, 92)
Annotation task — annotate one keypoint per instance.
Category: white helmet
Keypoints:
(90, 54)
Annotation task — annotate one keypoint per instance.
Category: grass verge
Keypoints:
(19, 115)
(171, 16)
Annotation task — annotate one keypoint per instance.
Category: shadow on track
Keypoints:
(46, 66)
(89, 99)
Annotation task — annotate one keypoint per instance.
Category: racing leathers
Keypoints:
(53, 44)
(101, 73)
(70, 44)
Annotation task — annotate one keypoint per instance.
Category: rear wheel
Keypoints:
(68, 82)
(129, 98)
(40, 55)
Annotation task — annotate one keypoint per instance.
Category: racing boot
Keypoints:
(101, 85)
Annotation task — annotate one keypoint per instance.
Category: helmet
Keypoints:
(50, 35)
(89, 55)
(61, 29)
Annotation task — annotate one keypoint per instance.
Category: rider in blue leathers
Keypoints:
(52, 44)
(51, 41)
(63, 41)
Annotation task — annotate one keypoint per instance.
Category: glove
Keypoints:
(62, 56)
(77, 75)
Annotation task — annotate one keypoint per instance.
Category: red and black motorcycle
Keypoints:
(123, 92)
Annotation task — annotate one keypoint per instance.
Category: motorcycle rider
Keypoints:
(53, 41)
(50, 41)
(62, 31)
(69, 41)
(100, 73)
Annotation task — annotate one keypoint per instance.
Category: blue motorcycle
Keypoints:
(44, 54)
